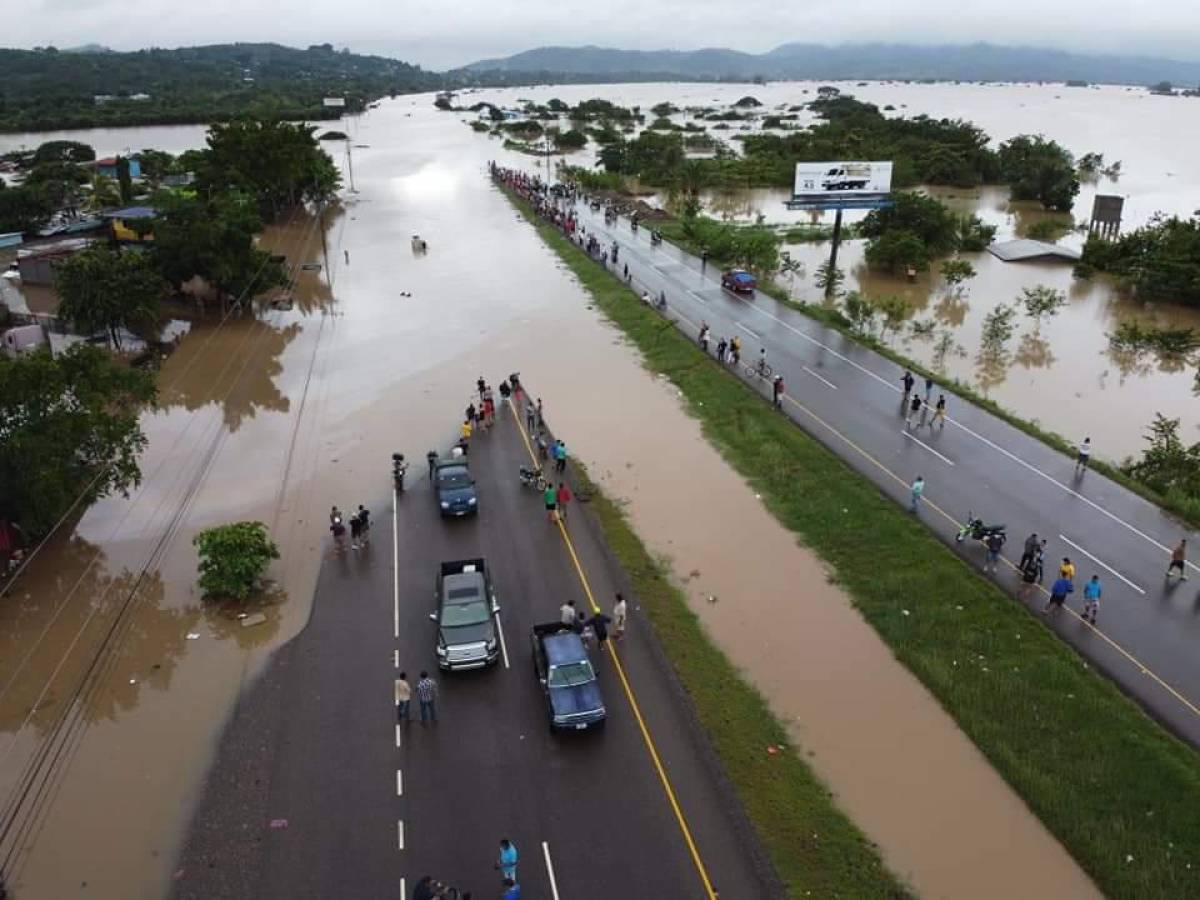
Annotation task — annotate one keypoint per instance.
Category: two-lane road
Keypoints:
(850, 398)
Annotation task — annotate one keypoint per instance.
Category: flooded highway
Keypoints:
(281, 417)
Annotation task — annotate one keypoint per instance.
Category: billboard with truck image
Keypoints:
(828, 180)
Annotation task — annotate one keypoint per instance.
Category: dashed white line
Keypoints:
(395, 568)
(1098, 562)
(396, 658)
(550, 870)
(824, 381)
(753, 334)
(400, 832)
(909, 435)
(399, 783)
(397, 735)
(503, 646)
(698, 297)
(403, 889)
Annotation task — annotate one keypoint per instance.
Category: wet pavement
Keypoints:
(850, 399)
(317, 792)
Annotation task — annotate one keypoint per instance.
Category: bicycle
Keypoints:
(760, 369)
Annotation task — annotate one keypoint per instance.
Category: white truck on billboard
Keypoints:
(825, 178)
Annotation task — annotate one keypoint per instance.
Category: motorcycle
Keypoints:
(399, 467)
(977, 530)
(532, 478)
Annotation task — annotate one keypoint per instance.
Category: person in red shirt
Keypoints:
(563, 496)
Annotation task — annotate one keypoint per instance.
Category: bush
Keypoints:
(233, 558)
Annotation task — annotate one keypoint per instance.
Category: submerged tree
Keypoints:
(233, 559)
(1042, 302)
(106, 290)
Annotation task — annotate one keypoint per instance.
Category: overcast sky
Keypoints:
(444, 34)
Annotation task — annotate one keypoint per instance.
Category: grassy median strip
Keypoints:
(1120, 793)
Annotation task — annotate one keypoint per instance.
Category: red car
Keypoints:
(739, 281)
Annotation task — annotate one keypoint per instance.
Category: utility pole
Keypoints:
(350, 165)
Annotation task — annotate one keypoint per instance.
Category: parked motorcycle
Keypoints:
(533, 478)
(977, 530)
(399, 467)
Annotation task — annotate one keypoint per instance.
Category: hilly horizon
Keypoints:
(800, 61)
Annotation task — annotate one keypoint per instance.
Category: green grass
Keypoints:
(1121, 794)
(815, 848)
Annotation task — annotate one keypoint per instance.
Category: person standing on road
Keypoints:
(469, 412)
(1084, 456)
(506, 862)
(464, 435)
(1179, 560)
(403, 696)
(928, 389)
(777, 392)
(1039, 561)
(1091, 599)
(915, 493)
(427, 691)
(562, 497)
(1027, 553)
(338, 530)
(542, 448)
(423, 889)
(355, 531)
(481, 386)
(431, 458)
(913, 408)
(618, 617)
(908, 382)
(600, 623)
(1029, 576)
(335, 515)
(1066, 569)
(721, 345)
(364, 522)
(939, 413)
(994, 543)
(530, 416)
(735, 349)
(560, 456)
(704, 336)
(541, 418)
(550, 498)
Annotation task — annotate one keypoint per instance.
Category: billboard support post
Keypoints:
(831, 283)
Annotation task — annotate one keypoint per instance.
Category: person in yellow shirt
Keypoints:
(1067, 569)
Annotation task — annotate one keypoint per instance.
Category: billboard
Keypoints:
(334, 101)
(831, 181)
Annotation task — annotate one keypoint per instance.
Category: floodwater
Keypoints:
(281, 417)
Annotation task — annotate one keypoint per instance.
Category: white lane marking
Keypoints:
(819, 378)
(1098, 562)
(698, 297)
(908, 435)
(550, 870)
(399, 783)
(400, 832)
(397, 734)
(503, 646)
(752, 334)
(396, 658)
(395, 568)
(403, 891)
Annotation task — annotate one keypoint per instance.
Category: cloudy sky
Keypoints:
(445, 34)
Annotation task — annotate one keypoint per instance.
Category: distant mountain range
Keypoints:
(951, 62)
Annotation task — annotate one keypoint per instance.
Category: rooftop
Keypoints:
(1026, 250)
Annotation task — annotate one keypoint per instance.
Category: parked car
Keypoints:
(455, 488)
(468, 635)
(739, 281)
(567, 679)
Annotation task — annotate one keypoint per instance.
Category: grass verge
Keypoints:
(1121, 794)
(816, 849)
(1185, 507)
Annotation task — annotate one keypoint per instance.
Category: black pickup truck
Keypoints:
(566, 676)
(468, 635)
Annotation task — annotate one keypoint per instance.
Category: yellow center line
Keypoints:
(1145, 670)
(710, 893)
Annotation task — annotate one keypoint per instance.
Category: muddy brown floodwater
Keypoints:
(281, 417)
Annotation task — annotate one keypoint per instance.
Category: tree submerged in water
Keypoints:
(233, 559)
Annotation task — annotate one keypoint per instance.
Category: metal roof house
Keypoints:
(1027, 250)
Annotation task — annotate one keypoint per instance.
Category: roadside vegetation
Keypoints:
(1120, 793)
(233, 559)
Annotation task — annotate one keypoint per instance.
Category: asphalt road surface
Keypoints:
(849, 398)
(317, 792)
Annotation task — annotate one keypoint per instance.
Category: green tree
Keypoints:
(124, 180)
(898, 249)
(102, 289)
(1041, 302)
(956, 272)
(1160, 261)
(68, 424)
(893, 310)
(859, 311)
(998, 328)
(63, 152)
(1168, 465)
(233, 559)
(1039, 169)
(23, 209)
(829, 279)
(926, 218)
(214, 239)
(104, 192)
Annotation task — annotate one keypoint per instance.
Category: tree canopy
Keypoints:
(233, 558)
(106, 290)
(1161, 260)
(68, 423)
(1039, 169)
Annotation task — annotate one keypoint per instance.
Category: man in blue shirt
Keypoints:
(1091, 599)
(1058, 594)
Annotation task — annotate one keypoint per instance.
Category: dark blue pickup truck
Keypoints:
(562, 667)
